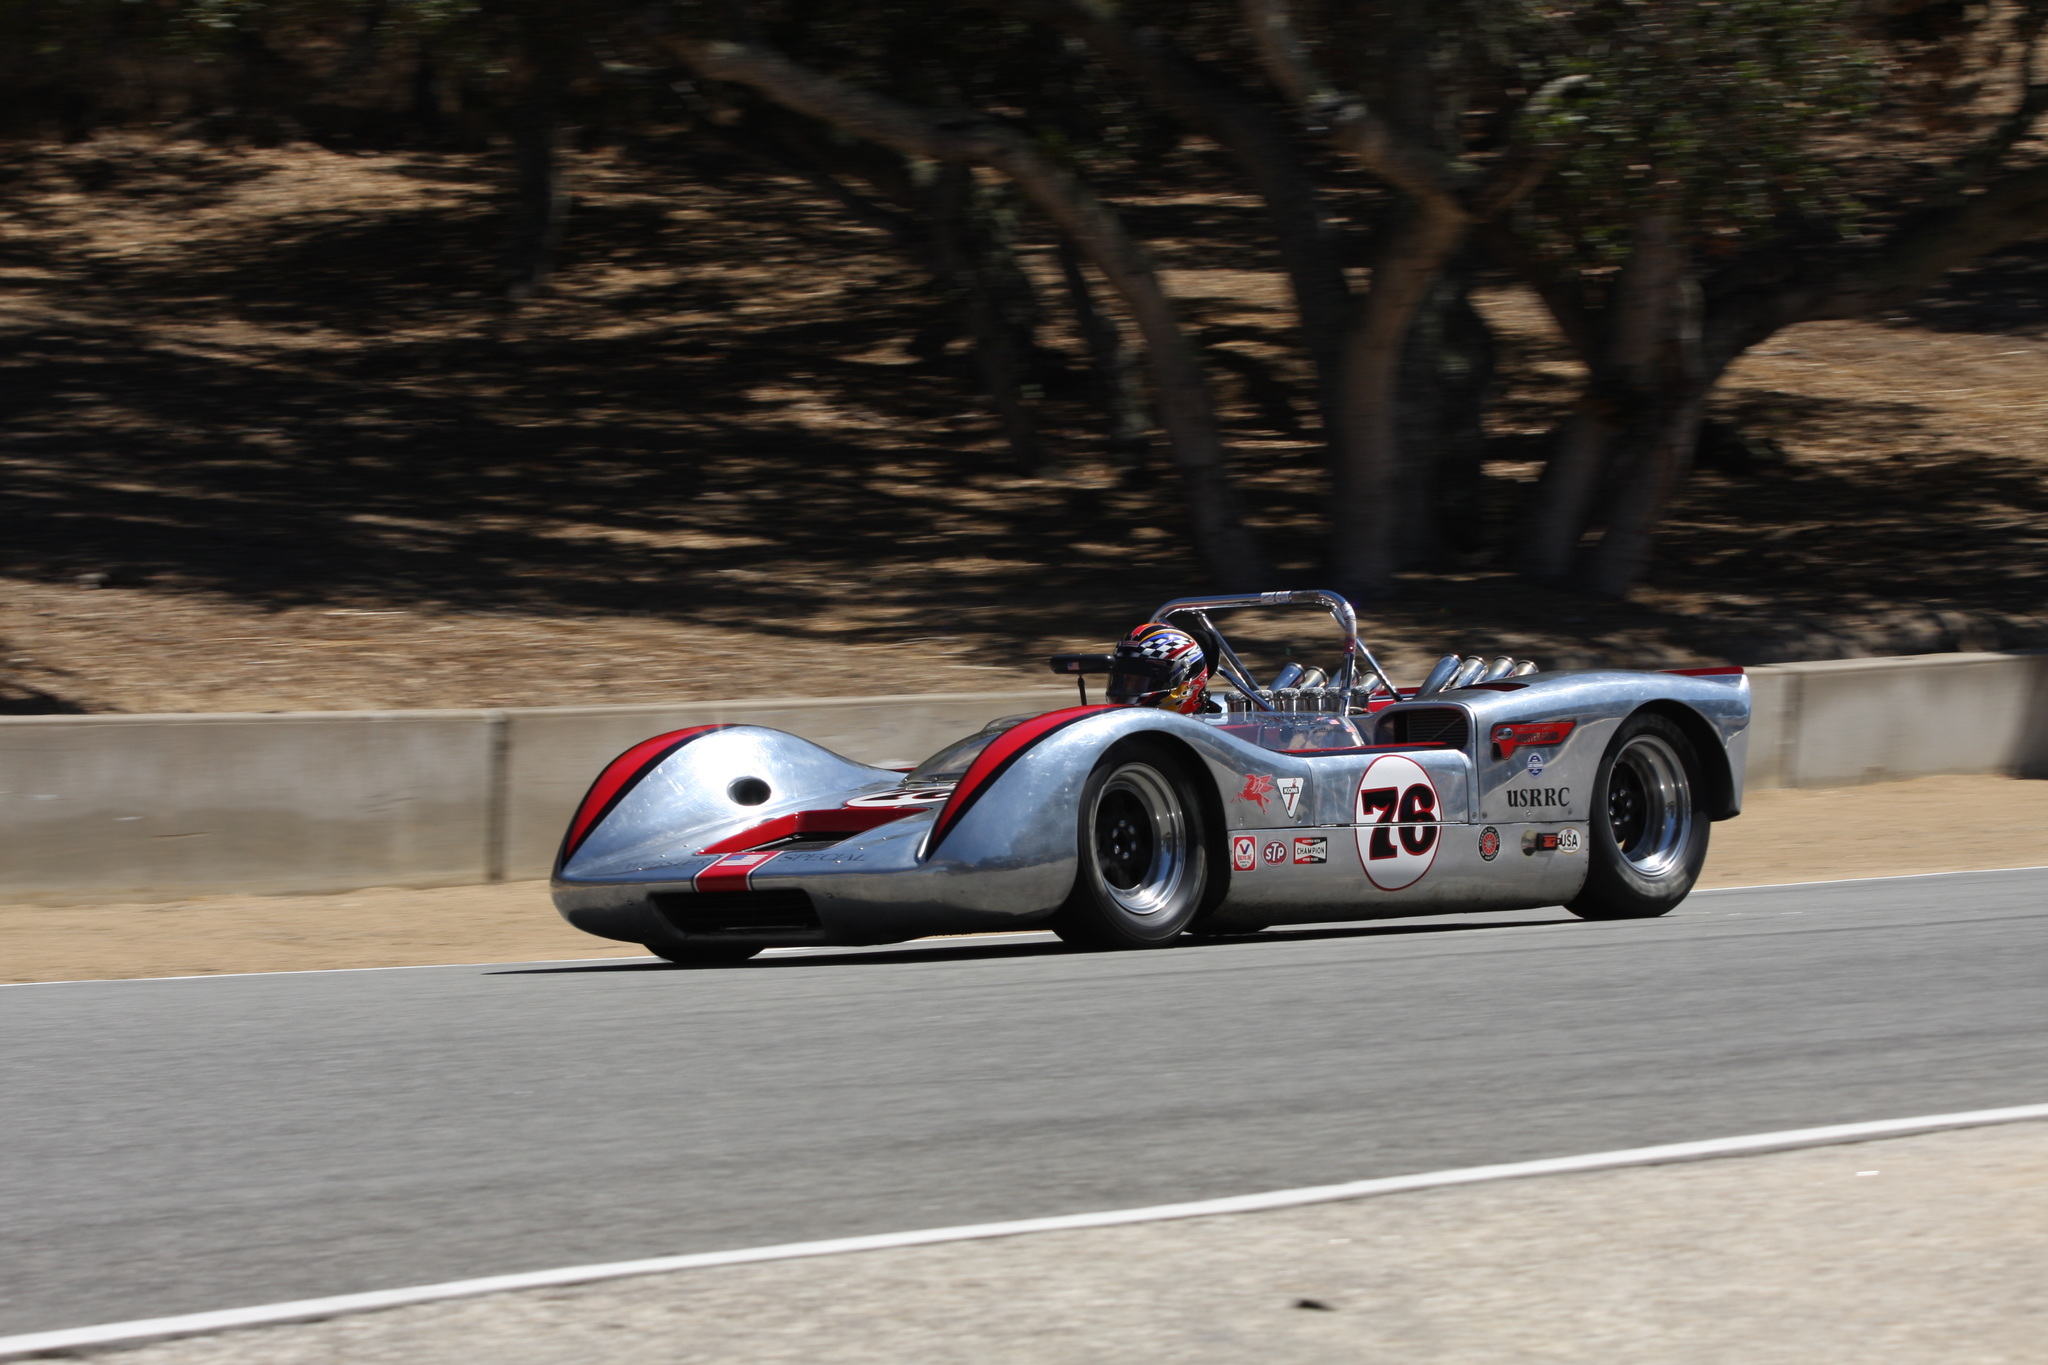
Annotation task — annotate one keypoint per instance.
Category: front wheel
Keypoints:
(703, 954)
(1647, 840)
(1144, 866)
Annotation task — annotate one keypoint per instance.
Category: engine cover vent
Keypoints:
(1425, 725)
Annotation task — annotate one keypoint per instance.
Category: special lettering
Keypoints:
(1539, 796)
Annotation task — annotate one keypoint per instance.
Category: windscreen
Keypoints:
(951, 763)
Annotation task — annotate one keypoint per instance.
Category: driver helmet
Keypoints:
(1157, 665)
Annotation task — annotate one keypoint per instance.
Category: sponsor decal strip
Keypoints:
(620, 776)
(995, 760)
(300, 1310)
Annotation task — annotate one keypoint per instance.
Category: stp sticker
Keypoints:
(1257, 787)
(1568, 840)
(1313, 849)
(1244, 852)
(1276, 852)
(1536, 762)
(1489, 843)
(1398, 821)
(1290, 794)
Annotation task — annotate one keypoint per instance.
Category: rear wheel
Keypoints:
(703, 954)
(1144, 866)
(1647, 840)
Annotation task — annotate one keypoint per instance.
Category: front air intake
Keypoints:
(785, 911)
(1425, 725)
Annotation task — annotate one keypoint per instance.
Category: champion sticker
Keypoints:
(1313, 849)
(1244, 852)
(1535, 764)
(1290, 794)
(1398, 823)
(1489, 843)
(1568, 840)
(1276, 852)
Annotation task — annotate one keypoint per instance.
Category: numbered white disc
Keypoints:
(1398, 814)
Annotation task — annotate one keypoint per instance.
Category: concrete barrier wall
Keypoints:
(1844, 722)
(97, 808)
(150, 807)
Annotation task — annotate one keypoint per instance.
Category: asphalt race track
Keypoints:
(184, 1145)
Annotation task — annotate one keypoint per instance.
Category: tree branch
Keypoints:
(1094, 227)
(1399, 160)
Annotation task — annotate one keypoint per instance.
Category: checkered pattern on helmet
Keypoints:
(1154, 641)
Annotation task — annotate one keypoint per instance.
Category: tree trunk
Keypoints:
(1114, 365)
(1623, 394)
(1366, 452)
(971, 258)
(1446, 373)
(540, 203)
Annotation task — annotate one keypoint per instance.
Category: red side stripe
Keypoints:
(996, 759)
(1722, 671)
(620, 776)
(733, 872)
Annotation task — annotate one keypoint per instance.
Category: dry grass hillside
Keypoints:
(272, 442)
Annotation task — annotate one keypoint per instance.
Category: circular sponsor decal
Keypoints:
(1276, 852)
(1489, 843)
(904, 796)
(1536, 762)
(1397, 815)
(1568, 840)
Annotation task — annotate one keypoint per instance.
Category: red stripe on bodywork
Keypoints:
(620, 776)
(996, 759)
(858, 820)
(1721, 671)
(731, 873)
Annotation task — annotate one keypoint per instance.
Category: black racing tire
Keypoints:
(1647, 837)
(1144, 852)
(703, 954)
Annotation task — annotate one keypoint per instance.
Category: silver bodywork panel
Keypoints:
(1308, 824)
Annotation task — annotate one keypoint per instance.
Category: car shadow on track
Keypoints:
(969, 951)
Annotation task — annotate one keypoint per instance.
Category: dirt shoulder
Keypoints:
(1933, 824)
(1923, 1249)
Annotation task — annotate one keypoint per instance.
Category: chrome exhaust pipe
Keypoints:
(1498, 669)
(1440, 676)
(1524, 667)
(1469, 669)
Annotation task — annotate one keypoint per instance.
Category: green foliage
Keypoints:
(1710, 110)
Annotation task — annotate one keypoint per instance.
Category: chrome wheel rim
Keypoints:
(1141, 840)
(1649, 806)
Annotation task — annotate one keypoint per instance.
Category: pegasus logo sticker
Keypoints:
(1257, 787)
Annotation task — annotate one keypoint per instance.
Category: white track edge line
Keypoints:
(263, 1315)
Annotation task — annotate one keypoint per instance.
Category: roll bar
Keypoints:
(1233, 667)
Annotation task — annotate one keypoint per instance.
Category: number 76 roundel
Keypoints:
(1397, 820)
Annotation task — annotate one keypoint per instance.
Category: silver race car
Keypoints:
(1315, 797)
